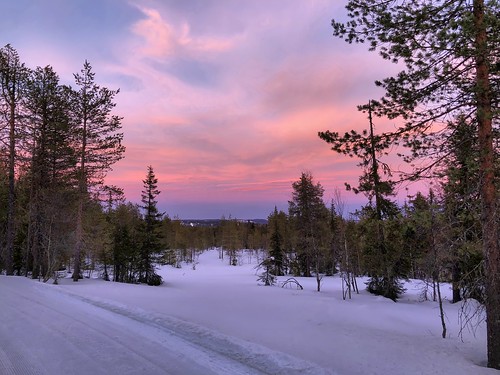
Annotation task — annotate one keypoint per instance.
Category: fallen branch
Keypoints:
(291, 281)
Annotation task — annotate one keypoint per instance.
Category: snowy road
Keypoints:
(44, 330)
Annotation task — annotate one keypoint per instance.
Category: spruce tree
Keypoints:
(126, 245)
(267, 275)
(309, 216)
(151, 245)
(276, 244)
(462, 206)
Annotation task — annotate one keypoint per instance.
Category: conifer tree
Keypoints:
(126, 244)
(276, 243)
(98, 144)
(417, 231)
(267, 275)
(369, 147)
(3, 208)
(230, 240)
(151, 245)
(450, 51)
(51, 163)
(13, 76)
(309, 216)
(461, 204)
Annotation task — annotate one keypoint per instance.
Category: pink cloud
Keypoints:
(162, 39)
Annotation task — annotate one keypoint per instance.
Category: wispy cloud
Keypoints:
(162, 39)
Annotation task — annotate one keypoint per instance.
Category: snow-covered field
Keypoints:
(216, 319)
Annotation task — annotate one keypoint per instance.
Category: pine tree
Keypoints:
(276, 243)
(450, 50)
(126, 244)
(151, 245)
(51, 162)
(310, 220)
(369, 147)
(462, 208)
(98, 144)
(13, 76)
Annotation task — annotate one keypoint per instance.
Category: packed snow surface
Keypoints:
(215, 319)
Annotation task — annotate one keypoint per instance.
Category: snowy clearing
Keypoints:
(218, 320)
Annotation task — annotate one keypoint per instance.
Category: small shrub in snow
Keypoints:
(155, 280)
(267, 277)
(387, 287)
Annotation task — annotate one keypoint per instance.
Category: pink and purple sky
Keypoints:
(223, 98)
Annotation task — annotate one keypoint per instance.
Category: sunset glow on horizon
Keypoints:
(223, 99)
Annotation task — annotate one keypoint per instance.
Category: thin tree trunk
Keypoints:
(456, 282)
(82, 193)
(436, 268)
(11, 214)
(79, 241)
(354, 283)
(441, 310)
(318, 280)
(488, 192)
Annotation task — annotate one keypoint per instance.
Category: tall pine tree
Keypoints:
(98, 144)
(13, 75)
(51, 163)
(369, 147)
(450, 52)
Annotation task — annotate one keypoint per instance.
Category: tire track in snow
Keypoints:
(219, 364)
(243, 357)
(65, 335)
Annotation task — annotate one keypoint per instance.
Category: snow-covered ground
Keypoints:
(216, 319)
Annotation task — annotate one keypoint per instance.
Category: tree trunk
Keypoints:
(78, 241)
(9, 251)
(456, 283)
(82, 194)
(441, 310)
(318, 276)
(488, 192)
